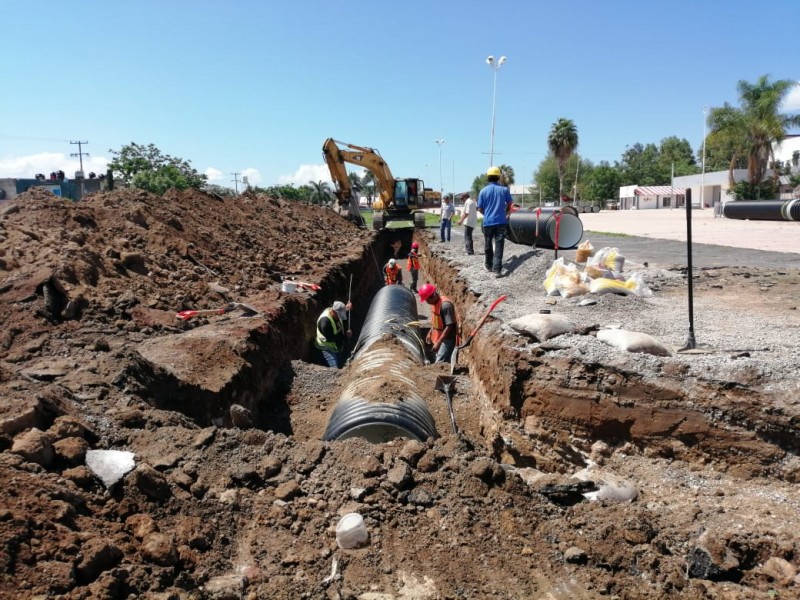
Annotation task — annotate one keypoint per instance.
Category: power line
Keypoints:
(235, 181)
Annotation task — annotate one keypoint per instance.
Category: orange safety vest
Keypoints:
(392, 274)
(413, 262)
(437, 325)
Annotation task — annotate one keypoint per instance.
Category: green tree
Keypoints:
(562, 142)
(287, 192)
(321, 192)
(506, 175)
(369, 183)
(219, 190)
(547, 180)
(481, 181)
(752, 130)
(677, 152)
(355, 182)
(602, 183)
(639, 166)
(145, 167)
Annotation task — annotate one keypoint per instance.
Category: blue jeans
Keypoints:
(445, 228)
(468, 239)
(445, 351)
(331, 359)
(494, 239)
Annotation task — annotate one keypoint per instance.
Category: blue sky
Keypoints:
(255, 87)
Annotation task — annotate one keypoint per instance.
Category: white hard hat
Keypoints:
(392, 262)
(340, 309)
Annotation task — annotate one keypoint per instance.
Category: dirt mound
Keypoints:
(233, 495)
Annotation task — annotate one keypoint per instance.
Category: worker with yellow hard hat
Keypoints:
(494, 203)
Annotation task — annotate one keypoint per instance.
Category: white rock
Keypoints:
(110, 465)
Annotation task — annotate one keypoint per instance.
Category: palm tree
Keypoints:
(321, 192)
(369, 183)
(752, 130)
(355, 183)
(507, 175)
(562, 142)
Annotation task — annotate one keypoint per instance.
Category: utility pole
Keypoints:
(235, 181)
(80, 154)
(439, 143)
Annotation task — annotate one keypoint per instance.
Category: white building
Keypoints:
(785, 151)
(653, 196)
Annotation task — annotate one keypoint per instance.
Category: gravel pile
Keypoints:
(739, 335)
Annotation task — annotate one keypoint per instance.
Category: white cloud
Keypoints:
(792, 102)
(26, 167)
(253, 176)
(305, 174)
(213, 174)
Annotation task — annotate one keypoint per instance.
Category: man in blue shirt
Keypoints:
(494, 203)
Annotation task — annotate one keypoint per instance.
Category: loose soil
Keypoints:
(234, 495)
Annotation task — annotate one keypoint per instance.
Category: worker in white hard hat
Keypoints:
(331, 334)
(494, 203)
(392, 273)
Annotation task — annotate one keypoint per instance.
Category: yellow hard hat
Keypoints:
(493, 171)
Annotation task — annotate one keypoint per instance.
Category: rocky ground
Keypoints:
(580, 470)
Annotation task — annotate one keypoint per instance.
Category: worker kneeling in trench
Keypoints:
(444, 323)
(331, 334)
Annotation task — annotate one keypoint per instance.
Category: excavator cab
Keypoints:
(407, 193)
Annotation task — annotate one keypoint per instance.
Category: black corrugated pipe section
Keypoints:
(382, 402)
(522, 227)
(763, 210)
(391, 311)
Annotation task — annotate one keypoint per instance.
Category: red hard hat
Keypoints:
(414, 245)
(426, 291)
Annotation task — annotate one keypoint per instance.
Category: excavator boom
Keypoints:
(398, 197)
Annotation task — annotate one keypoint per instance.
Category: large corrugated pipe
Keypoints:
(391, 311)
(763, 210)
(381, 402)
(522, 227)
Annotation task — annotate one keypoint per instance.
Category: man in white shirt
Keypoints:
(470, 215)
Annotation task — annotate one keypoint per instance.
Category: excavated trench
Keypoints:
(537, 409)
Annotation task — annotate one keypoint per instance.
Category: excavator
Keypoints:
(399, 199)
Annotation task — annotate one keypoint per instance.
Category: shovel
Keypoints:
(247, 311)
(443, 384)
(454, 356)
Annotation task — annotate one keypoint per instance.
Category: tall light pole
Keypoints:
(703, 176)
(494, 65)
(439, 143)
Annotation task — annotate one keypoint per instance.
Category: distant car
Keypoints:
(612, 206)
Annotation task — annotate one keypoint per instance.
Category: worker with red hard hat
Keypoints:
(413, 265)
(443, 334)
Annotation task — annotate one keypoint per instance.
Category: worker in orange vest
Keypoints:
(443, 334)
(413, 265)
(392, 273)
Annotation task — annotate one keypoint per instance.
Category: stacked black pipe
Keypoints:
(538, 227)
(763, 210)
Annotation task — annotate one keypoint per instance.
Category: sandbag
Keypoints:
(633, 341)
(542, 327)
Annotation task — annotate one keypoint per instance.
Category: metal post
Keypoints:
(703, 176)
(439, 143)
(691, 343)
(494, 66)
